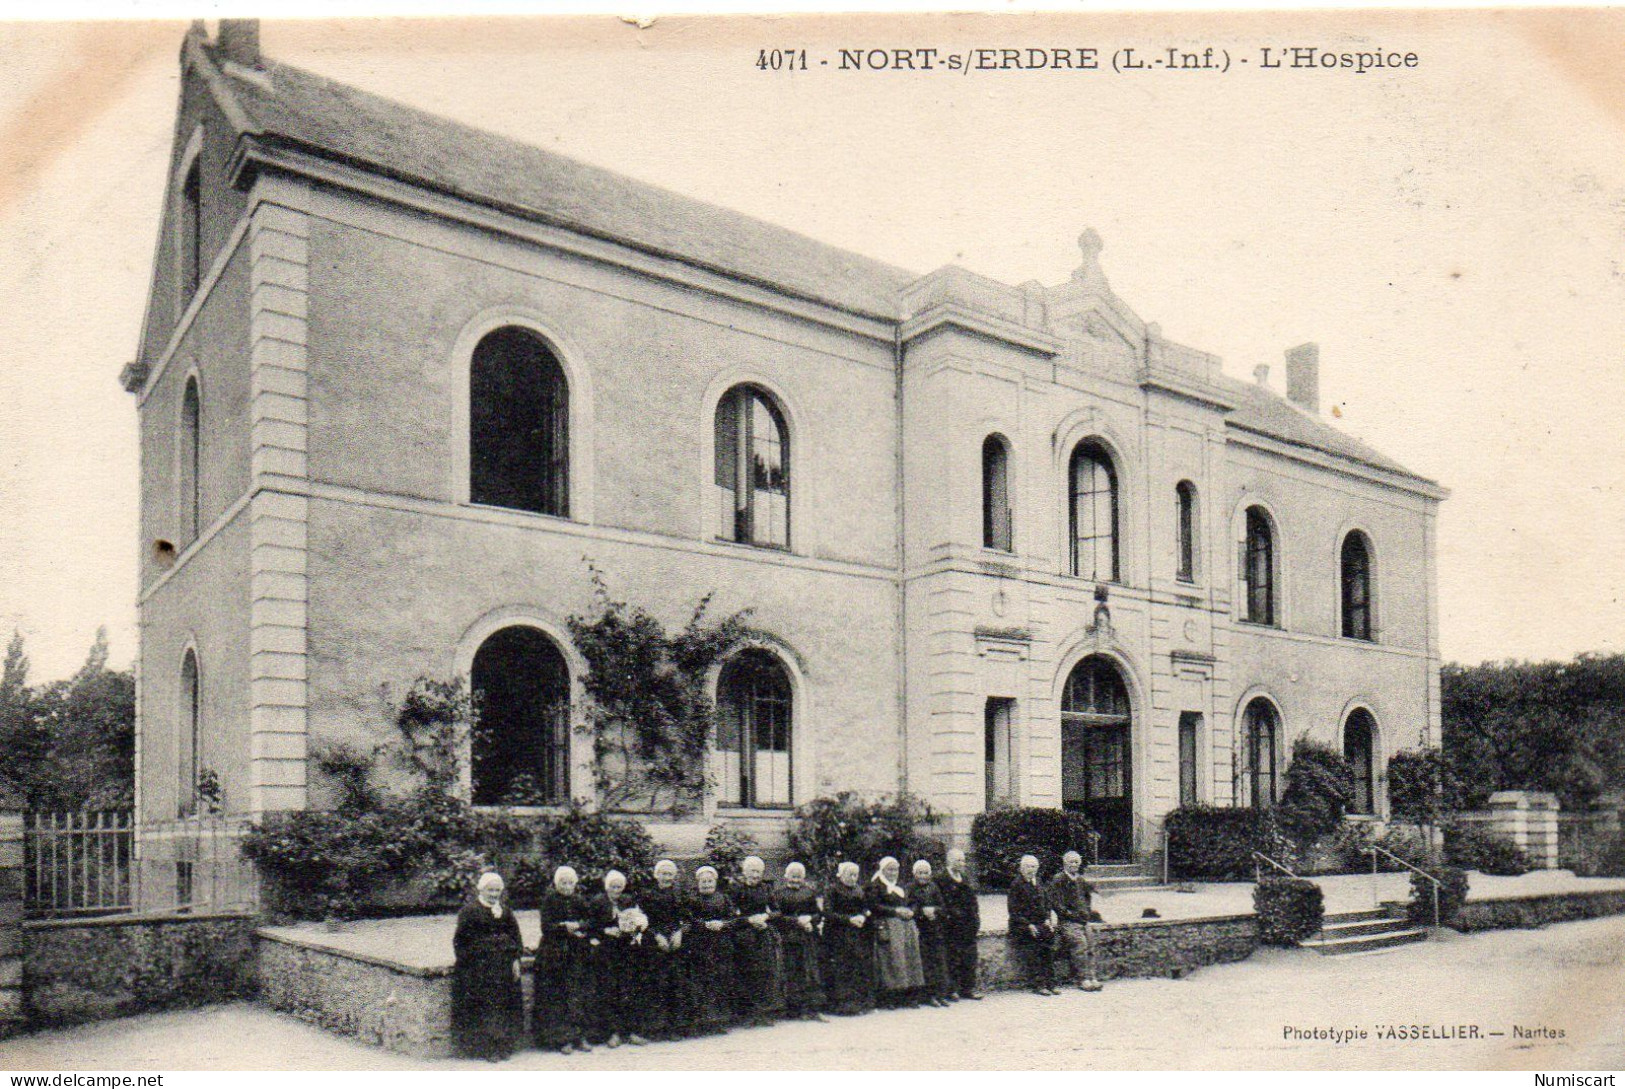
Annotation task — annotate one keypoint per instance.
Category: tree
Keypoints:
(69, 744)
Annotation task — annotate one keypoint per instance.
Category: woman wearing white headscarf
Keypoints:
(564, 998)
(849, 950)
(897, 939)
(710, 953)
(487, 1007)
(799, 915)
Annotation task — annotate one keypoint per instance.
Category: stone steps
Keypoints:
(1363, 932)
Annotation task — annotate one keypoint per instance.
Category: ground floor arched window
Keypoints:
(521, 750)
(1261, 729)
(754, 719)
(1359, 749)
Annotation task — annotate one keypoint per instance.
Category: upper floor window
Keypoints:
(191, 462)
(996, 517)
(191, 738)
(1093, 514)
(1356, 587)
(1185, 531)
(752, 469)
(191, 233)
(519, 424)
(1258, 568)
(1260, 733)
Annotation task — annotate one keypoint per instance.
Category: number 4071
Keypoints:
(782, 60)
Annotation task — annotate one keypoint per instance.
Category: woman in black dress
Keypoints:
(849, 957)
(799, 913)
(710, 953)
(758, 952)
(670, 1013)
(564, 967)
(931, 916)
(488, 1009)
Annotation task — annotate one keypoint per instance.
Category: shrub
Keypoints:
(726, 847)
(1452, 894)
(828, 831)
(1289, 909)
(1416, 786)
(593, 844)
(1216, 843)
(1474, 848)
(1611, 862)
(1000, 837)
(1350, 841)
(1319, 791)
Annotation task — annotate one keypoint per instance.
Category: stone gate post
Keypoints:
(1527, 818)
(13, 1010)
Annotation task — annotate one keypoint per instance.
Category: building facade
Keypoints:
(403, 385)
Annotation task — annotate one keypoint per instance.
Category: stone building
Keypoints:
(401, 380)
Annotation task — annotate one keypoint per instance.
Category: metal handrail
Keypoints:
(1373, 850)
(1260, 857)
(1094, 847)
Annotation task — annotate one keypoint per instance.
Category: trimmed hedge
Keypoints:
(1000, 837)
(1216, 843)
(1452, 895)
(1289, 909)
(1473, 848)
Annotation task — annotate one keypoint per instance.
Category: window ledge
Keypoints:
(521, 511)
(1259, 624)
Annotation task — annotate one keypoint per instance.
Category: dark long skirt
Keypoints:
(488, 1008)
(565, 992)
(759, 975)
(622, 989)
(803, 981)
(667, 995)
(710, 975)
(962, 958)
(934, 961)
(849, 967)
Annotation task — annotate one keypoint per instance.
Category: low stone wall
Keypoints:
(1148, 949)
(392, 1006)
(89, 969)
(1533, 911)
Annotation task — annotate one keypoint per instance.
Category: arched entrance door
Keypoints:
(1096, 766)
(522, 744)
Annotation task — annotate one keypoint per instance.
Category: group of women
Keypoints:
(621, 967)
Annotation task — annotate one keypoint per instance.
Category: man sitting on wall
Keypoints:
(1032, 928)
(1069, 898)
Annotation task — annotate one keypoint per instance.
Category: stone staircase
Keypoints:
(1363, 932)
(1110, 877)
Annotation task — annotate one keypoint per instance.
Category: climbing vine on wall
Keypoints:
(649, 714)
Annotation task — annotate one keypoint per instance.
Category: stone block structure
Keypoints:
(401, 381)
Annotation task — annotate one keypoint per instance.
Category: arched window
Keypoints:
(752, 469)
(1096, 766)
(518, 424)
(1258, 569)
(191, 488)
(996, 516)
(1356, 583)
(191, 737)
(521, 751)
(1261, 728)
(753, 732)
(190, 230)
(1185, 531)
(1093, 514)
(1359, 749)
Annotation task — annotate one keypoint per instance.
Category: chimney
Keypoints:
(1261, 374)
(239, 40)
(1303, 376)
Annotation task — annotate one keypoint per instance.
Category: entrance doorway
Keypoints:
(1097, 775)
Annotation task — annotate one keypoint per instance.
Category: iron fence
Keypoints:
(78, 863)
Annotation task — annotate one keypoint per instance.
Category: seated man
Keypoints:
(1032, 928)
(1069, 896)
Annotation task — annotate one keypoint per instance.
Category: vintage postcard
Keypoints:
(1057, 541)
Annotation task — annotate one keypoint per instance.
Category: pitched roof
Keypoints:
(288, 105)
(282, 104)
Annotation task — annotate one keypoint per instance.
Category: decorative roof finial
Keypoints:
(1089, 273)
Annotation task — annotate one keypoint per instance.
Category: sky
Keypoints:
(1451, 235)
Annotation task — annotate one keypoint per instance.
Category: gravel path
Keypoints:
(1568, 978)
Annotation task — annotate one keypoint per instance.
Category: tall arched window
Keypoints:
(1359, 749)
(996, 515)
(191, 485)
(1093, 514)
(754, 713)
(521, 751)
(1097, 776)
(1356, 584)
(1185, 531)
(752, 469)
(1261, 729)
(1260, 604)
(190, 230)
(191, 737)
(518, 424)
